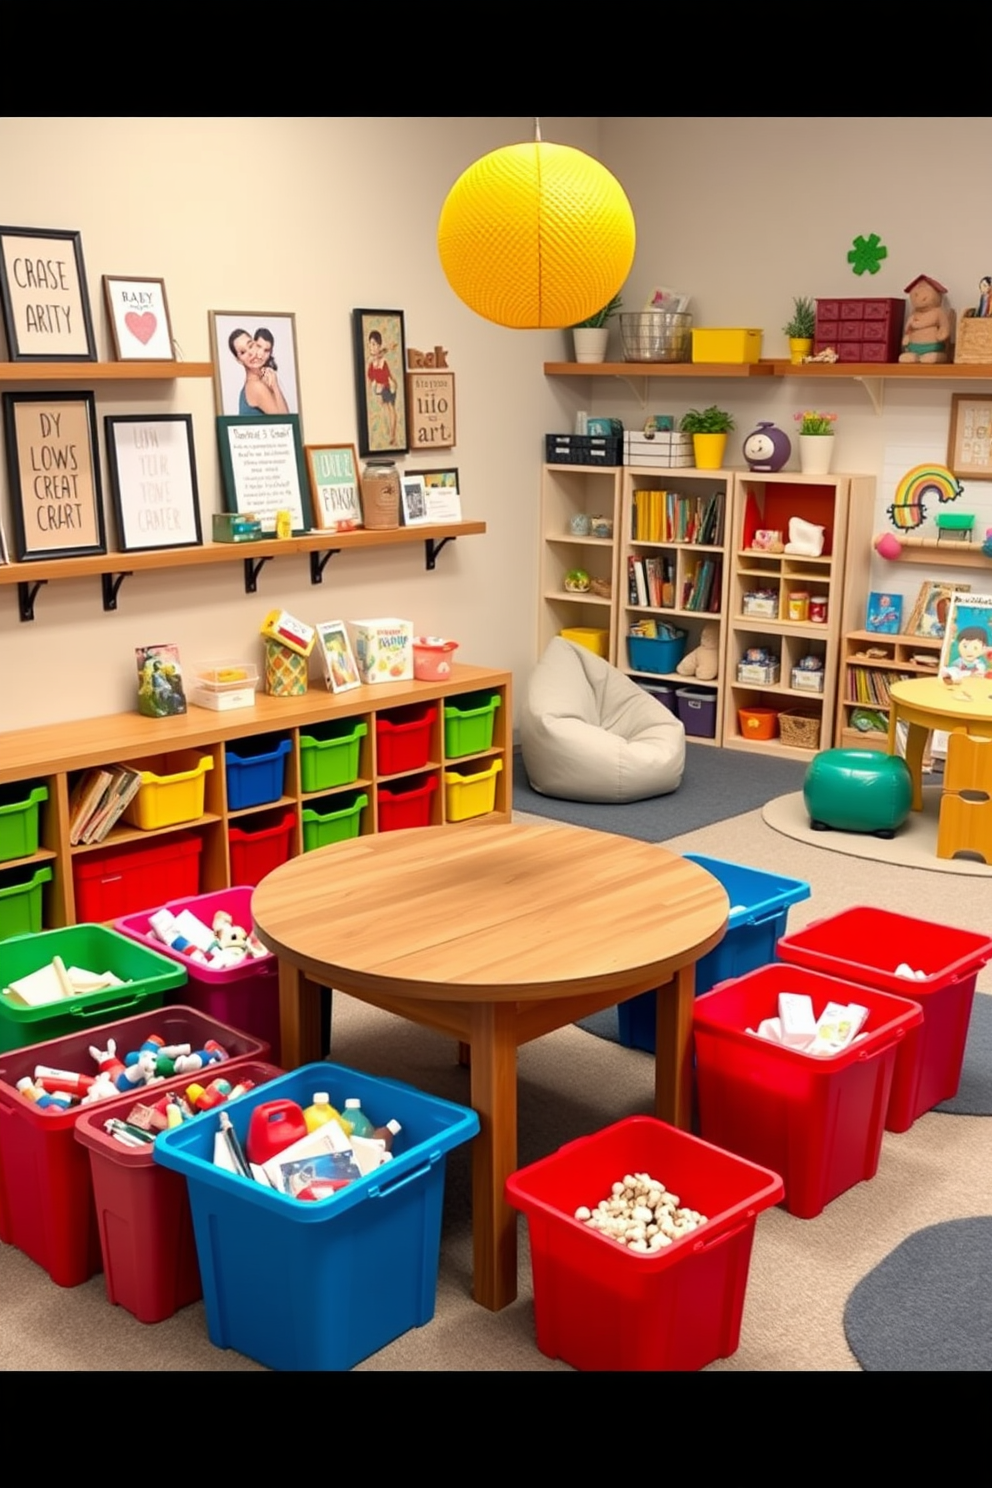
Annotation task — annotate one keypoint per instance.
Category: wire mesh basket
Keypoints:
(800, 728)
(656, 335)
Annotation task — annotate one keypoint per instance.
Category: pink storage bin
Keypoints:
(432, 658)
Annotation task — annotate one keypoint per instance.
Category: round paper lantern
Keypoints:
(536, 235)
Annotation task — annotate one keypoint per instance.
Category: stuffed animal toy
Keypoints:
(805, 538)
(702, 662)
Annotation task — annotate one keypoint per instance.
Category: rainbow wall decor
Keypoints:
(908, 510)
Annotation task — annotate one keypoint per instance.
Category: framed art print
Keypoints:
(430, 399)
(969, 446)
(139, 319)
(340, 670)
(379, 346)
(53, 470)
(444, 503)
(413, 500)
(884, 613)
(967, 649)
(256, 373)
(46, 305)
(335, 487)
(261, 460)
(152, 468)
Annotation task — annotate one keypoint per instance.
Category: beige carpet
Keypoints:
(913, 846)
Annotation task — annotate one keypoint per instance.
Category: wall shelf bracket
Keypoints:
(26, 594)
(318, 562)
(253, 567)
(431, 550)
(875, 388)
(110, 584)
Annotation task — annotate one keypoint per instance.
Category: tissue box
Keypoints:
(383, 649)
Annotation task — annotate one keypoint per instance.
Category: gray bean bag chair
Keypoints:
(588, 733)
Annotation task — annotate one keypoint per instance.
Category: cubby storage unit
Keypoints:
(135, 869)
(765, 600)
(865, 680)
(673, 570)
(568, 492)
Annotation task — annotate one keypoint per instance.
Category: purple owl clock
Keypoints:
(767, 448)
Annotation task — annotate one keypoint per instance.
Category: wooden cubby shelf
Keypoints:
(102, 371)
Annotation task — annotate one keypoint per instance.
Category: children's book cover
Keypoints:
(884, 614)
(160, 681)
(967, 649)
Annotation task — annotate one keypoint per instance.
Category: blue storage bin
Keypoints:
(256, 771)
(759, 908)
(318, 1286)
(656, 653)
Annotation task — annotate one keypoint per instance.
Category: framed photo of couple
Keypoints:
(256, 374)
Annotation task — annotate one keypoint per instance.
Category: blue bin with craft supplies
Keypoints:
(256, 771)
(321, 1285)
(759, 909)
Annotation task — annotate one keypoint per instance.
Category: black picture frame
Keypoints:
(53, 471)
(151, 462)
(273, 445)
(380, 394)
(44, 296)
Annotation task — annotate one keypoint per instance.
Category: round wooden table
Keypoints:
(926, 703)
(495, 932)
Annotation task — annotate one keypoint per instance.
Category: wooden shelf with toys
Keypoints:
(870, 663)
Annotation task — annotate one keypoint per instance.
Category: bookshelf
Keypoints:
(870, 663)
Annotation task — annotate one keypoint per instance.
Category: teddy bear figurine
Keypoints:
(703, 661)
(929, 327)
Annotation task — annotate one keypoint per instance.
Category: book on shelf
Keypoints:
(87, 794)
(884, 613)
(122, 789)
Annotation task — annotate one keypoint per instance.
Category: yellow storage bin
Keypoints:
(467, 795)
(590, 637)
(735, 344)
(171, 791)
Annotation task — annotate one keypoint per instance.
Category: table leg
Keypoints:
(494, 1154)
(299, 1018)
(916, 740)
(673, 1049)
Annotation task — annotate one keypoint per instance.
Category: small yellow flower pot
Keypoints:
(709, 450)
(799, 348)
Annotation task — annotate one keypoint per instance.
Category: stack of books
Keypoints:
(98, 798)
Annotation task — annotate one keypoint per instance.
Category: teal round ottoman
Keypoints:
(858, 790)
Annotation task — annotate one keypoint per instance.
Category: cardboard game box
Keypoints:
(383, 649)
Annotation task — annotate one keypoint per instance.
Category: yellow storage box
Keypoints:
(722, 345)
(470, 794)
(590, 637)
(172, 788)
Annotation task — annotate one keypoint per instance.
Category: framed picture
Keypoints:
(261, 460)
(430, 401)
(46, 305)
(884, 615)
(380, 389)
(138, 313)
(256, 372)
(967, 649)
(339, 660)
(969, 445)
(444, 504)
(413, 500)
(931, 608)
(53, 470)
(335, 488)
(153, 480)
(160, 681)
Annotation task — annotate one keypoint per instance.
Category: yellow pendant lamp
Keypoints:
(536, 235)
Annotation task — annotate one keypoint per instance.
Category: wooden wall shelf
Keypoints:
(778, 367)
(945, 553)
(102, 371)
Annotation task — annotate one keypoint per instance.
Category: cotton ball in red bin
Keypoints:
(888, 546)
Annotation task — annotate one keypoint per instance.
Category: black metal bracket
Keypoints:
(110, 583)
(431, 550)
(26, 594)
(253, 567)
(318, 562)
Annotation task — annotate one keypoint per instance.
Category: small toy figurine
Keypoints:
(766, 448)
(929, 326)
(984, 307)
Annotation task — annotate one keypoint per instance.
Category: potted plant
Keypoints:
(800, 328)
(591, 335)
(816, 444)
(709, 428)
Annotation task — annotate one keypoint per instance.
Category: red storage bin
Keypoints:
(245, 995)
(866, 945)
(121, 881)
(46, 1192)
(142, 1210)
(403, 738)
(254, 853)
(406, 803)
(600, 1306)
(817, 1121)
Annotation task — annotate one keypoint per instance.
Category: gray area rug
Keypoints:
(928, 1305)
(974, 1097)
(717, 783)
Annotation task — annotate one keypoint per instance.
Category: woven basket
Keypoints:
(799, 728)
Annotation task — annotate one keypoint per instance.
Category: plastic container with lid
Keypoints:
(799, 604)
(818, 607)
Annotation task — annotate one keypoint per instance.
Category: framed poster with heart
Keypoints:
(139, 319)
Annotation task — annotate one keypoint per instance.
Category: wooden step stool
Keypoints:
(965, 822)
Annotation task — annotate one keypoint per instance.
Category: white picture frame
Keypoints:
(340, 668)
(413, 500)
(138, 312)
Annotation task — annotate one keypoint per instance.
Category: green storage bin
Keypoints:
(323, 827)
(468, 723)
(149, 976)
(329, 754)
(20, 901)
(19, 819)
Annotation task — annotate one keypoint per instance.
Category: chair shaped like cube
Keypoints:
(965, 821)
(858, 790)
(588, 733)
